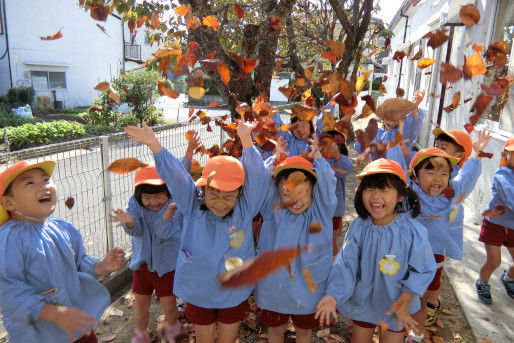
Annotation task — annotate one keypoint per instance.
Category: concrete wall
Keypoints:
(4, 62)
(428, 16)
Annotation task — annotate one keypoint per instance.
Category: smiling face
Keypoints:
(298, 199)
(31, 197)
(154, 202)
(219, 202)
(433, 176)
(381, 203)
(450, 148)
(302, 130)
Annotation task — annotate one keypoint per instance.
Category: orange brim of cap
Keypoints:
(280, 168)
(422, 157)
(48, 168)
(153, 182)
(197, 171)
(222, 185)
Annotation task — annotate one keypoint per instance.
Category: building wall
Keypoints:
(427, 17)
(4, 61)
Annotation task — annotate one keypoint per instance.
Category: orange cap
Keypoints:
(225, 173)
(196, 167)
(147, 176)
(427, 153)
(11, 173)
(461, 138)
(383, 166)
(295, 162)
(509, 146)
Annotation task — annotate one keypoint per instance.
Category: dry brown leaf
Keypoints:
(310, 283)
(69, 202)
(470, 15)
(473, 66)
(125, 165)
(102, 86)
(436, 39)
(418, 55)
(315, 227)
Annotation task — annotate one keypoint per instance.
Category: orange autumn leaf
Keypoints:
(196, 92)
(211, 21)
(300, 82)
(479, 107)
(214, 104)
(370, 102)
(275, 22)
(98, 11)
(165, 52)
(382, 88)
(456, 100)
(436, 39)
(192, 22)
(102, 28)
(399, 55)
(181, 10)
(329, 55)
(496, 53)
(154, 21)
(469, 15)
(125, 165)
(337, 48)
(425, 62)
(169, 92)
(102, 86)
(289, 92)
(238, 11)
(114, 95)
(473, 66)
(192, 53)
(224, 73)
(468, 127)
(315, 227)
(258, 268)
(164, 66)
(53, 37)
(496, 212)
(294, 179)
(418, 55)
(140, 21)
(308, 278)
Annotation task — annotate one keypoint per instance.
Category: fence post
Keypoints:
(221, 136)
(107, 193)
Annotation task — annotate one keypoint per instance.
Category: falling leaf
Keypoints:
(310, 283)
(425, 62)
(238, 11)
(245, 65)
(237, 239)
(473, 66)
(469, 15)
(275, 22)
(294, 179)
(196, 92)
(192, 22)
(329, 55)
(448, 193)
(289, 92)
(394, 109)
(70, 202)
(114, 95)
(382, 88)
(479, 107)
(165, 91)
(493, 90)
(362, 80)
(102, 29)
(467, 100)
(102, 86)
(399, 55)
(257, 268)
(96, 108)
(154, 20)
(436, 39)
(214, 104)
(383, 326)
(337, 48)
(181, 10)
(496, 53)
(224, 73)
(418, 55)
(315, 227)
(98, 11)
(496, 212)
(53, 37)
(125, 165)
(453, 213)
(211, 21)
(485, 154)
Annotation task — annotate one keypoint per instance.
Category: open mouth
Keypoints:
(435, 188)
(377, 206)
(45, 199)
(297, 207)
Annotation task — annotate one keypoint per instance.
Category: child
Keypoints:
(386, 262)
(300, 132)
(498, 228)
(48, 286)
(337, 157)
(412, 128)
(281, 295)
(456, 143)
(442, 212)
(155, 247)
(217, 226)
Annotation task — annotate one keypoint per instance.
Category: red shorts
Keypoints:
(367, 325)
(302, 321)
(145, 281)
(495, 234)
(89, 338)
(337, 223)
(436, 281)
(207, 316)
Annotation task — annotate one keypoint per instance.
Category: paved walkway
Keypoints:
(495, 321)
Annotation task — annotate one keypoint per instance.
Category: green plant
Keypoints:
(374, 86)
(139, 90)
(210, 87)
(20, 96)
(9, 119)
(28, 135)
(105, 114)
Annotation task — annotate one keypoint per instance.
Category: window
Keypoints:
(503, 31)
(48, 79)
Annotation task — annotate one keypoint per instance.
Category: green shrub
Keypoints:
(210, 88)
(10, 119)
(28, 135)
(20, 96)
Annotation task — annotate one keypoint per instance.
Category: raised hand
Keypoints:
(333, 151)
(326, 307)
(280, 146)
(244, 131)
(122, 217)
(114, 260)
(170, 211)
(418, 97)
(314, 148)
(194, 142)
(144, 135)
(481, 142)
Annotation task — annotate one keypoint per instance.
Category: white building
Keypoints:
(68, 67)
(496, 24)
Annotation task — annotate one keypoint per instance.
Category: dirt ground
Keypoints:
(117, 323)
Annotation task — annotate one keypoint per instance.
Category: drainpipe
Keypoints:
(404, 38)
(7, 52)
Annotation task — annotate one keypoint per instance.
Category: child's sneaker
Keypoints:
(140, 337)
(171, 332)
(509, 284)
(432, 313)
(483, 292)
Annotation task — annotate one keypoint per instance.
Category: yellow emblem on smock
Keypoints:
(389, 265)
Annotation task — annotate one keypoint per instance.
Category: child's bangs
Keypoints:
(436, 163)
(380, 181)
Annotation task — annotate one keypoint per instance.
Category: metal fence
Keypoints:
(80, 174)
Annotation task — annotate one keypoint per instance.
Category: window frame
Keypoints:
(48, 80)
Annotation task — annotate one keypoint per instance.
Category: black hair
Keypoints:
(443, 137)
(382, 181)
(149, 189)
(342, 147)
(284, 174)
(8, 190)
(295, 120)
(428, 165)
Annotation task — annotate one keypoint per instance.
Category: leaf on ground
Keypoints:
(457, 337)
(437, 339)
(125, 165)
(445, 310)
(115, 312)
